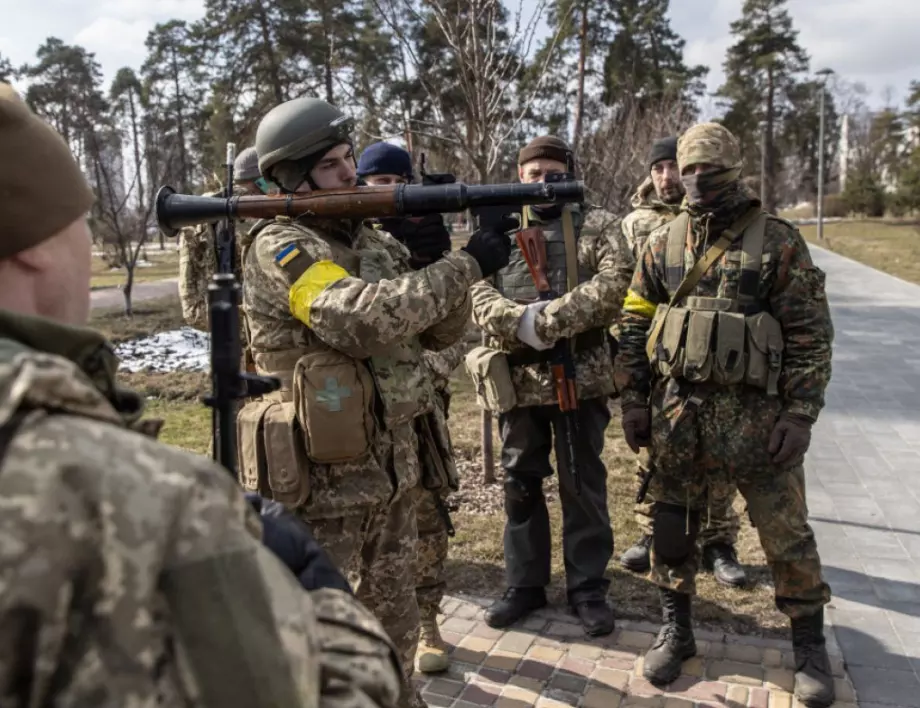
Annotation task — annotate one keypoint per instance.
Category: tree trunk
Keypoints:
(769, 188)
(582, 61)
(180, 128)
(275, 74)
(129, 287)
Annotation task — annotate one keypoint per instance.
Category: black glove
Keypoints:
(290, 539)
(790, 439)
(427, 238)
(637, 426)
(491, 246)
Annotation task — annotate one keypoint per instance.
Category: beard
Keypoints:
(671, 192)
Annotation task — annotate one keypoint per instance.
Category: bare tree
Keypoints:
(614, 152)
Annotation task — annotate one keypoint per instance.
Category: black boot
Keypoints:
(515, 604)
(814, 680)
(636, 558)
(721, 559)
(675, 642)
(596, 616)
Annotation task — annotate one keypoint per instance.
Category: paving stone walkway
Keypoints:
(864, 480)
(549, 663)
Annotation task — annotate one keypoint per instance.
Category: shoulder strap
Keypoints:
(674, 256)
(8, 432)
(571, 249)
(751, 256)
(713, 253)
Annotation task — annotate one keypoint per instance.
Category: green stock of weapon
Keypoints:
(228, 383)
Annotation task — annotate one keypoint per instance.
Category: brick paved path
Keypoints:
(548, 662)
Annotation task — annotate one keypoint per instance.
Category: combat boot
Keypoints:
(675, 642)
(636, 558)
(721, 559)
(515, 604)
(814, 680)
(431, 656)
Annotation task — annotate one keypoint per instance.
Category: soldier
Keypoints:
(524, 329)
(655, 203)
(335, 310)
(132, 573)
(427, 239)
(197, 250)
(724, 359)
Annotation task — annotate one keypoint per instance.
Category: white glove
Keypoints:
(526, 330)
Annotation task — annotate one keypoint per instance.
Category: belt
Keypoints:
(590, 339)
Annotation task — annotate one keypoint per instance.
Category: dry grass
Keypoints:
(476, 562)
(163, 264)
(150, 316)
(889, 246)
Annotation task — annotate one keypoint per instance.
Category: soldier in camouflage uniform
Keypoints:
(124, 559)
(197, 244)
(525, 328)
(335, 310)
(657, 202)
(427, 239)
(723, 364)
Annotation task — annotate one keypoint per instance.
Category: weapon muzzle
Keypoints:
(175, 211)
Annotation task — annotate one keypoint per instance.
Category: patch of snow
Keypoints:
(184, 349)
(143, 264)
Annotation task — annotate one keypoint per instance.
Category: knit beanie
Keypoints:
(42, 190)
(664, 149)
(385, 159)
(546, 146)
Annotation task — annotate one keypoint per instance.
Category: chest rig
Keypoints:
(727, 340)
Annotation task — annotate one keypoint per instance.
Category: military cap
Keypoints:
(709, 143)
(663, 149)
(548, 147)
(385, 159)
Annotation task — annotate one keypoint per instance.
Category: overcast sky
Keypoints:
(872, 41)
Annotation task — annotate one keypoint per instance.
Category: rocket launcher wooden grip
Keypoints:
(533, 248)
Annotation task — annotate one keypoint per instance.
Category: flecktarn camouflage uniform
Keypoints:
(123, 559)
(334, 309)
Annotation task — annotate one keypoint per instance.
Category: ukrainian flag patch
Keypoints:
(287, 254)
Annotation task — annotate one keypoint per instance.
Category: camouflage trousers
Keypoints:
(720, 524)
(725, 443)
(375, 551)
(430, 557)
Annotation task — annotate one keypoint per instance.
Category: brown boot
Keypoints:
(431, 656)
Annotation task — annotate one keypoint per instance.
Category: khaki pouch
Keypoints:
(671, 343)
(765, 352)
(334, 398)
(439, 473)
(272, 456)
(698, 355)
(492, 379)
(729, 361)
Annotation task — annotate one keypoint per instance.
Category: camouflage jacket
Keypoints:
(197, 265)
(593, 304)
(378, 316)
(648, 214)
(123, 558)
(791, 288)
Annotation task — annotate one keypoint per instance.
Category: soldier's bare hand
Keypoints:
(790, 439)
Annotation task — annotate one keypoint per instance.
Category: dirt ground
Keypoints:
(476, 557)
(160, 265)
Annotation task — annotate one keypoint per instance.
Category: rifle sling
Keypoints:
(690, 281)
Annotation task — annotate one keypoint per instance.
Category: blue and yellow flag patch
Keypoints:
(287, 254)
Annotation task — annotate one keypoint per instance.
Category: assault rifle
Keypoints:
(228, 383)
(430, 178)
(562, 365)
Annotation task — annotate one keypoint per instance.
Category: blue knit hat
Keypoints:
(385, 159)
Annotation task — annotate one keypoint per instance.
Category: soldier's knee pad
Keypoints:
(521, 498)
(674, 533)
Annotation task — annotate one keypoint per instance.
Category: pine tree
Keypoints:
(761, 71)
(6, 69)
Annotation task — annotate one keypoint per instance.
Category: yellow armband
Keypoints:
(308, 287)
(638, 305)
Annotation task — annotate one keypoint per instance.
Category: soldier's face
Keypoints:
(62, 267)
(666, 179)
(536, 170)
(337, 169)
(385, 180)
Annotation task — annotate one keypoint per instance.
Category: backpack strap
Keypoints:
(751, 256)
(674, 256)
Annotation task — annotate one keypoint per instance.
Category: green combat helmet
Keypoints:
(246, 166)
(294, 136)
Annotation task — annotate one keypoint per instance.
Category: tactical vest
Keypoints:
(515, 282)
(721, 340)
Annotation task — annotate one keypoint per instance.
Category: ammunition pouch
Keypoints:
(436, 455)
(708, 342)
(491, 378)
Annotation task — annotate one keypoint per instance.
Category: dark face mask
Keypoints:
(548, 213)
(705, 188)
